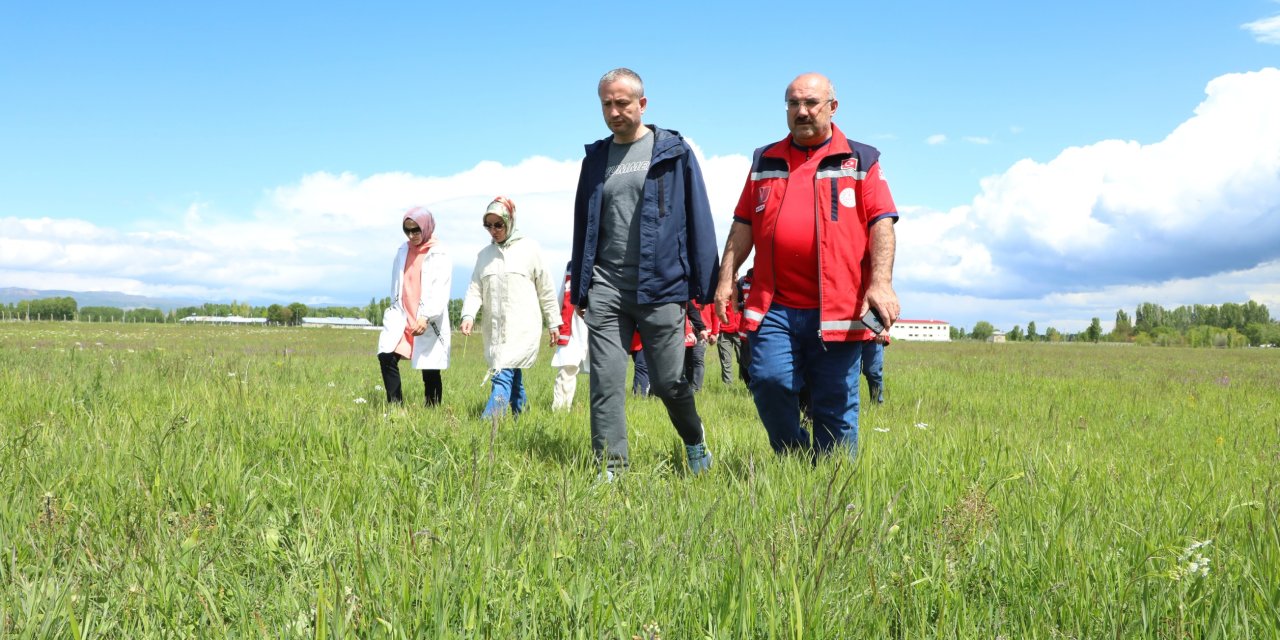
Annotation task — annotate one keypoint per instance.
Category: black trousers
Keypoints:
(433, 389)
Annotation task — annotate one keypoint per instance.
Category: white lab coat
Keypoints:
(574, 353)
(431, 349)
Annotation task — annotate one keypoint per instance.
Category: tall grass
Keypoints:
(160, 481)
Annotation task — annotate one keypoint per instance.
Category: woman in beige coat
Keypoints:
(511, 284)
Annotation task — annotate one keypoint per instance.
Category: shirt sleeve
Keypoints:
(743, 212)
(876, 199)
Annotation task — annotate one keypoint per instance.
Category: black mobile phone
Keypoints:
(872, 320)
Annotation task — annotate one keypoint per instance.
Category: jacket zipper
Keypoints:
(817, 237)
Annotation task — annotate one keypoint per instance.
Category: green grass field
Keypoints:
(170, 482)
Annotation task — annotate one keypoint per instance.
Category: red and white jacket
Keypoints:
(850, 194)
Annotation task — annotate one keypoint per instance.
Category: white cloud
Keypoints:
(1203, 201)
(937, 138)
(1265, 30)
(977, 139)
(326, 238)
(1192, 218)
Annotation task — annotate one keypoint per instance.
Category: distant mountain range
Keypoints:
(96, 298)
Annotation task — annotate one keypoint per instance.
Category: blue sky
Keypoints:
(1047, 157)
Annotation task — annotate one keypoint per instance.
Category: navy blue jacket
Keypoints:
(678, 254)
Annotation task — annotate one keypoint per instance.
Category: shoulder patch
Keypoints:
(762, 198)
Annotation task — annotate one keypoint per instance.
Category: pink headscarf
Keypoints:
(426, 221)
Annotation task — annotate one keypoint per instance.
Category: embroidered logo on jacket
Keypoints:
(851, 163)
(847, 198)
(762, 198)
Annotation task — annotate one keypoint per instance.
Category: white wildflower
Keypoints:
(231, 374)
(922, 425)
(332, 385)
(361, 401)
(377, 387)
(1196, 563)
(881, 430)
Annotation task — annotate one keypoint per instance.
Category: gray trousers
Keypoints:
(613, 317)
(729, 345)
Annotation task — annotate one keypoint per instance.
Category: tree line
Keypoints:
(1230, 325)
(66, 308)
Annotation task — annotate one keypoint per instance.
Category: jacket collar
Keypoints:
(838, 146)
(666, 144)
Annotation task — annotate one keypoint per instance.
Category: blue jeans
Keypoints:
(786, 357)
(508, 393)
(873, 369)
(640, 382)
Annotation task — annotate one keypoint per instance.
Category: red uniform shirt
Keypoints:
(796, 242)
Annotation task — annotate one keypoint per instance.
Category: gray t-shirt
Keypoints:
(618, 256)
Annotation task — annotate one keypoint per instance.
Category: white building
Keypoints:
(221, 320)
(351, 323)
(930, 330)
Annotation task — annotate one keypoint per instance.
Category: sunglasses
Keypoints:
(495, 225)
(408, 231)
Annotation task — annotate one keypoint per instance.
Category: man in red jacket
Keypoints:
(814, 206)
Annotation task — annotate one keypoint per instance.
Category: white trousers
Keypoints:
(565, 386)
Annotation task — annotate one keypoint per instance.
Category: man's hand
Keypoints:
(724, 298)
(421, 327)
(466, 325)
(554, 333)
(880, 292)
(885, 301)
(736, 250)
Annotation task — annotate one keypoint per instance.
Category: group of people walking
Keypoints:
(815, 210)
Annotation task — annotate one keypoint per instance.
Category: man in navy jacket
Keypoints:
(643, 245)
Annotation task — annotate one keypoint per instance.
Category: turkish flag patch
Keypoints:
(851, 163)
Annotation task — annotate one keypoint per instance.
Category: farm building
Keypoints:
(349, 323)
(933, 330)
(222, 320)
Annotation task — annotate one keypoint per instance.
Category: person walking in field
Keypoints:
(700, 328)
(640, 376)
(728, 343)
(643, 246)
(815, 204)
(511, 283)
(416, 325)
(571, 353)
(873, 366)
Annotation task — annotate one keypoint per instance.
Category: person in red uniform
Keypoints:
(814, 206)
(728, 344)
